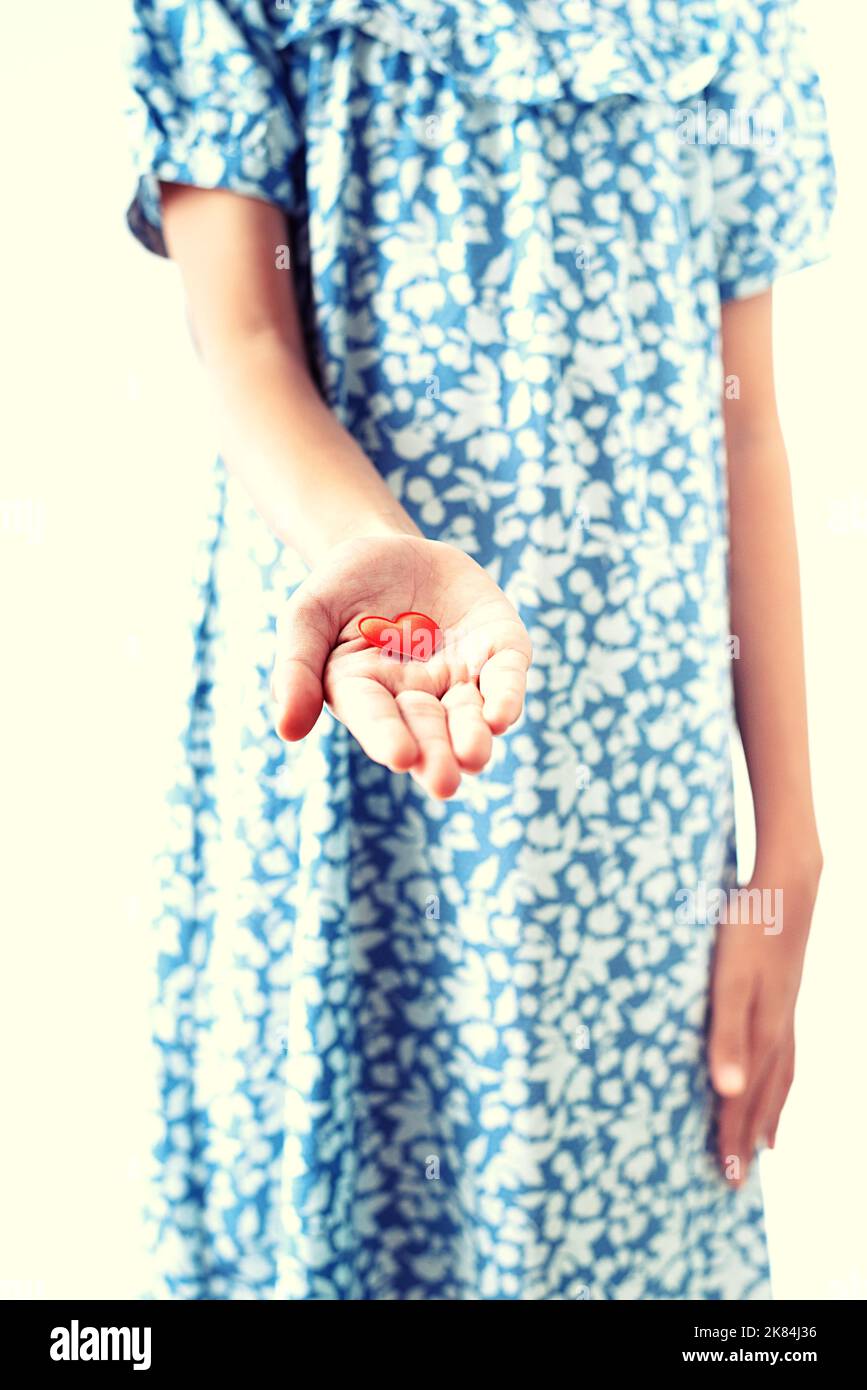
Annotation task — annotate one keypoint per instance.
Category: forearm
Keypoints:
(769, 669)
(765, 594)
(309, 479)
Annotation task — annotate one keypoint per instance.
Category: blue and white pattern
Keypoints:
(422, 1050)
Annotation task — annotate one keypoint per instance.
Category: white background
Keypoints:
(106, 446)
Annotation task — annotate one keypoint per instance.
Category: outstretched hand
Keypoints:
(434, 718)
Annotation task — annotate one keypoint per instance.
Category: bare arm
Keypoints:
(758, 965)
(320, 494)
(310, 481)
(765, 594)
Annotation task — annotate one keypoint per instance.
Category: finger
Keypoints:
(766, 1113)
(503, 682)
(767, 1036)
(763, 1067)
(729, 1139)
(785, 1077)
(437, 769)
(371, 715)
(470, 736)
(728, 1048)
(728, 1052)
(305, 634)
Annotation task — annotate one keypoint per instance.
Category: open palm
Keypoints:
(431, 718)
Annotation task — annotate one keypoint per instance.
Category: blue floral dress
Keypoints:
(457, 1051)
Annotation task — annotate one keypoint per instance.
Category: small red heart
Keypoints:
(376, 631)
(409, 635)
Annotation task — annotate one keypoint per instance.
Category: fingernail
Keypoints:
(730, 1079)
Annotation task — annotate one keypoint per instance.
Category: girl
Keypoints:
(483, 290)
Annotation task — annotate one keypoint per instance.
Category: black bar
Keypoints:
(297, 1338)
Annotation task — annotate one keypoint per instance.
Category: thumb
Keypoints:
(306, 633)
(728, 1050)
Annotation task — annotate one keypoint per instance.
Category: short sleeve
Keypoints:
(209, 107)
(772, 168)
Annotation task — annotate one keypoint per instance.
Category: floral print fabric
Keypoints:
(456, 1051)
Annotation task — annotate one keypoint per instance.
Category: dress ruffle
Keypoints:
(541, 52)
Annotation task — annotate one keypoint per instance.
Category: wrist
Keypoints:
(385, 522)
(359, 525)
(789, 849)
